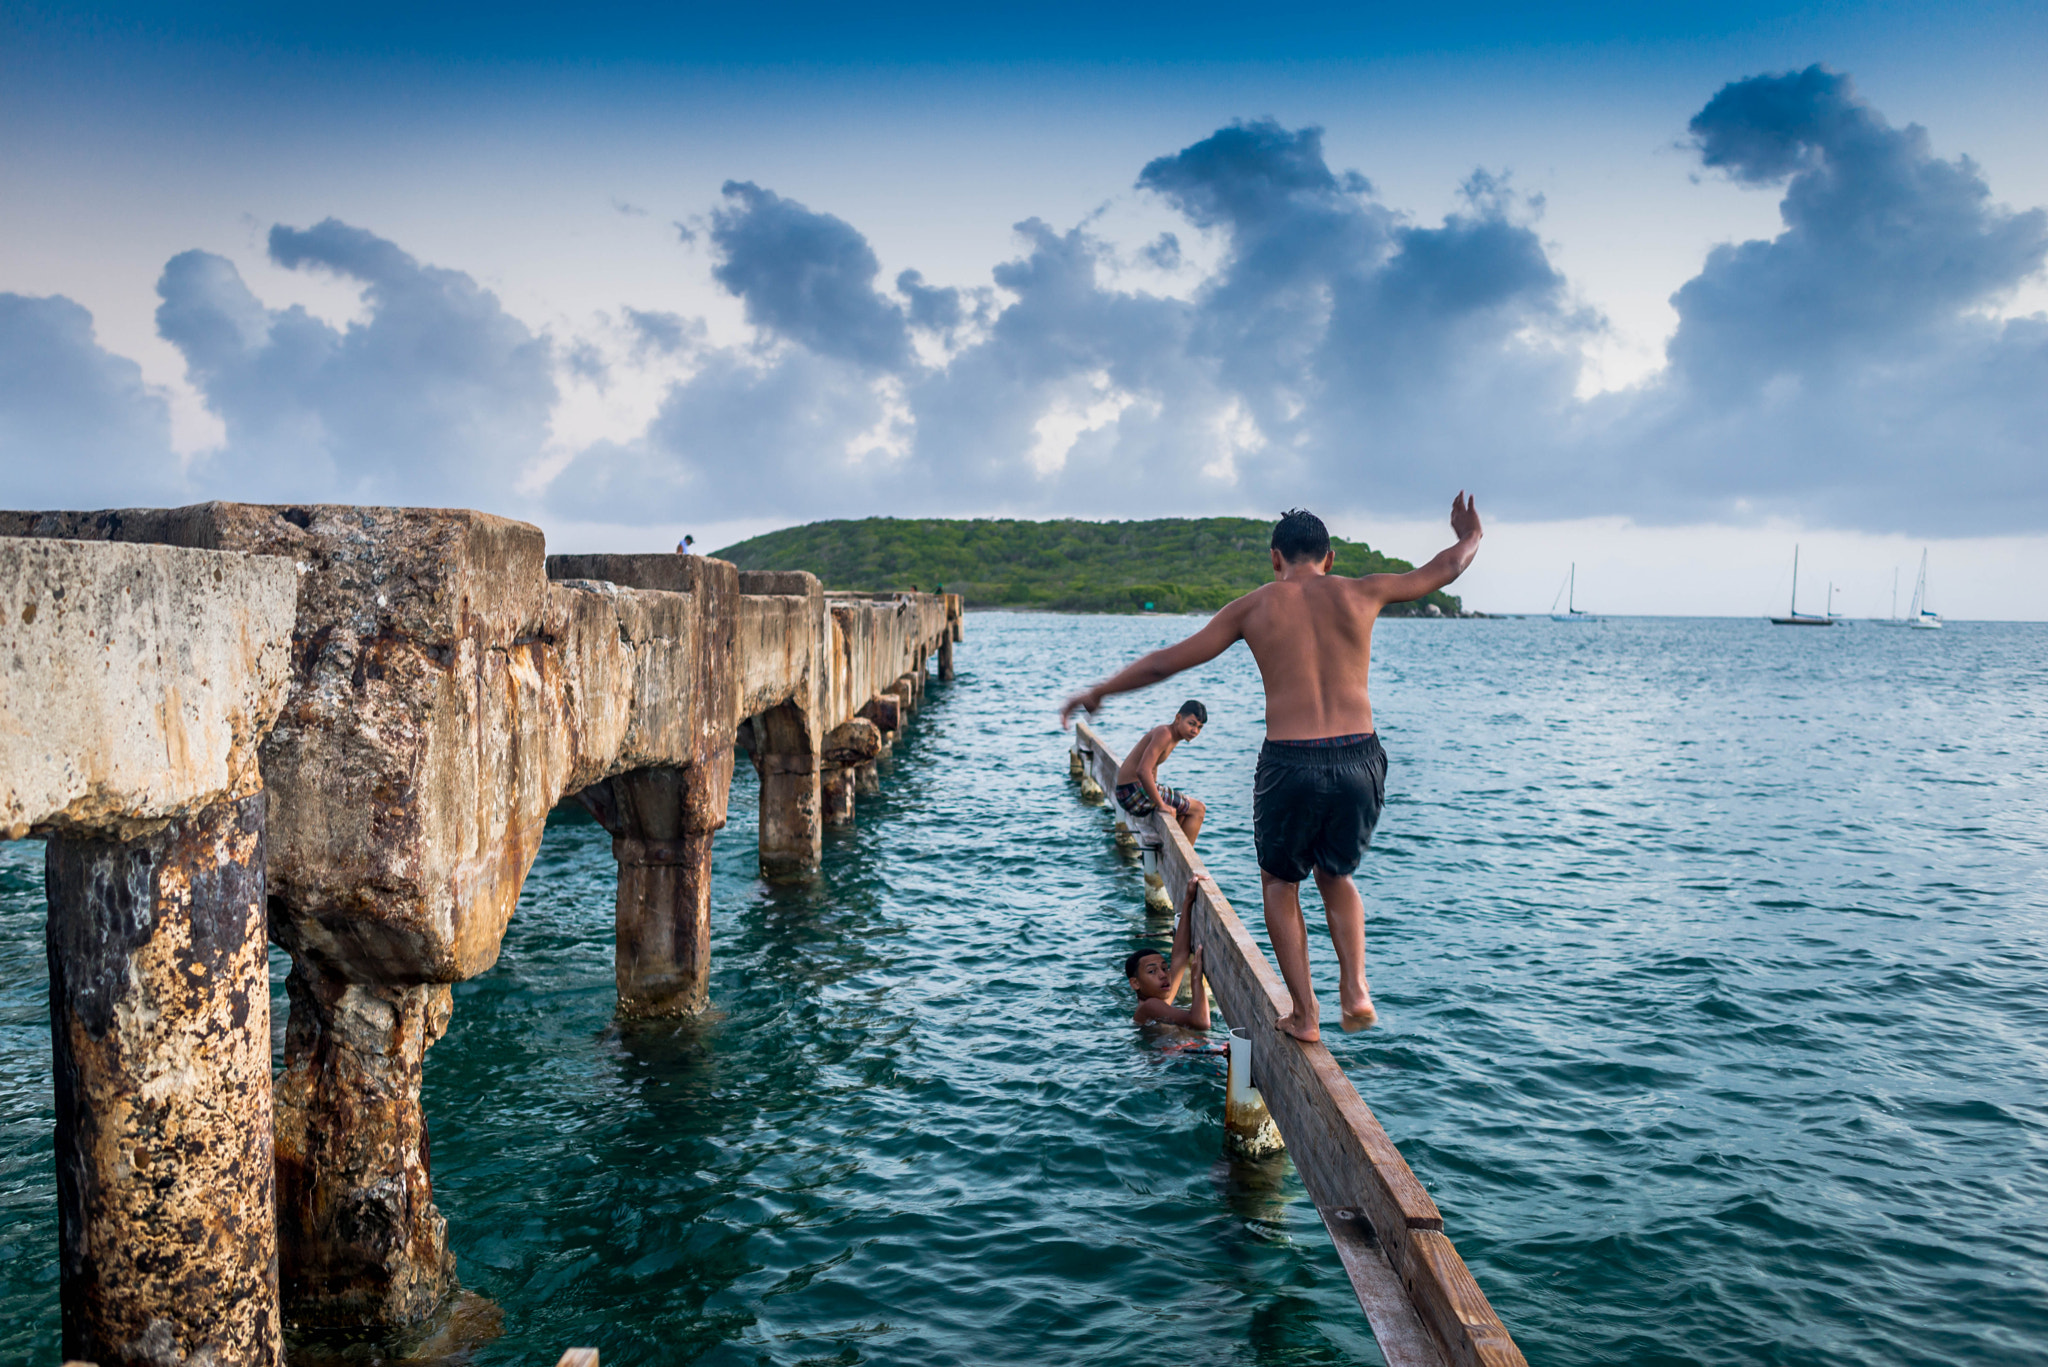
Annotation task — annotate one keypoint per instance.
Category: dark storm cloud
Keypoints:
(438, 395)
(78, 428)
(807, 276)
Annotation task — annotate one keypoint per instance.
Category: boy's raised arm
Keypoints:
(1444, 567)
(1198, 1010)
(1183, 933)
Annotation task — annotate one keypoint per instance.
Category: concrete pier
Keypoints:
(135, 685)
(1420, 1298)
(432, 685)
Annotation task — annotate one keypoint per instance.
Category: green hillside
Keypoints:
(1174, 564)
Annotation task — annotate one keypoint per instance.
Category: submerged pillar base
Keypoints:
(1248, 1128)
(662, 822)
(662, 959)
(835, 796)
(160, 1029)
(360, 1240)
(792, 824)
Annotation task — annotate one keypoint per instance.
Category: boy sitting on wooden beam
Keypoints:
(1138, 789)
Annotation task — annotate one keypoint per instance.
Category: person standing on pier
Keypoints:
(1322, 775)
(1138, 789)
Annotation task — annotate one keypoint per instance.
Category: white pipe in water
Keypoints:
(1247, 1125)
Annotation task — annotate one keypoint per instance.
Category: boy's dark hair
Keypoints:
(1191, 708)
(1301, 535)
(1132, 961)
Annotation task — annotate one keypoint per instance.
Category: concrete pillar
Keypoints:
(662, 821)
(835, 793)
(867, 779)
(160, 1028)
(360, 1240)
(946, 659)
(792, 812)
(849, 746)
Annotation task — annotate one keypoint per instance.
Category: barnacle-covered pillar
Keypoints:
(160, 1032)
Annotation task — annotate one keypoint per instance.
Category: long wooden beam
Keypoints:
(1350, 1167)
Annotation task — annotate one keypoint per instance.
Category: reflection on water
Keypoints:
(1710, 965)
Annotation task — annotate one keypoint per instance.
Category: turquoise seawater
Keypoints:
(1711, 964)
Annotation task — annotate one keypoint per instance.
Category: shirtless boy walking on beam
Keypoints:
(1322, 775)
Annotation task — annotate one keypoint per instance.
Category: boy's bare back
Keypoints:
(1312, 638)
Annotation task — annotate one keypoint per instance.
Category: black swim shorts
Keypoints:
(1314, 804)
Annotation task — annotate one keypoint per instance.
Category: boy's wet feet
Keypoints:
(1309, 1033)
(1359, 1015)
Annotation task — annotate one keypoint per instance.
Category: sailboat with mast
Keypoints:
(1923, 616)
(1569, 590)
(1794, 617)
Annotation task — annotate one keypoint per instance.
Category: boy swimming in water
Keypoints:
(1138, 789)
(1157, 981)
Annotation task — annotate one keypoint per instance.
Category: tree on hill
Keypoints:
(1167, 565)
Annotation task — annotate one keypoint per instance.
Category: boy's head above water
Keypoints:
(1147, 973)
(1189, 721)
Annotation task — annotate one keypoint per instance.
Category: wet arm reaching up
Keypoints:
(1183, 934)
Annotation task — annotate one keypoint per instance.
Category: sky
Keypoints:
(1670, 293)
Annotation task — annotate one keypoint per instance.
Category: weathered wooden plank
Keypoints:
(579, 1357)
(1344, 1156)
(1448, 1298)
(1404, 1340)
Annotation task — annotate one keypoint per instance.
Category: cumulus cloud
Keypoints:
(437, 396)
(1851, 369)
(663, 334)
(1344, 352)
(1316, 357)
(806, 276)
(1885, 245)
(78, 427)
